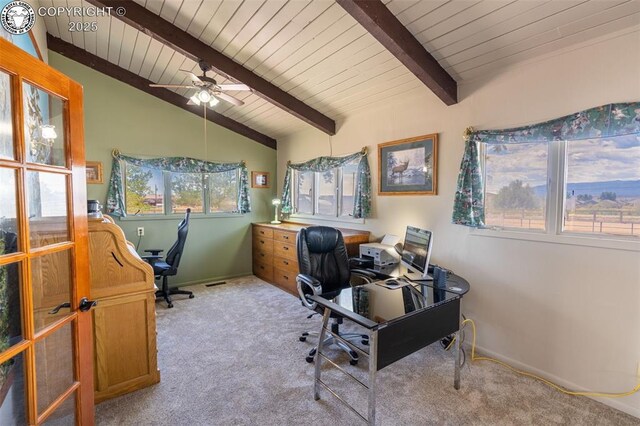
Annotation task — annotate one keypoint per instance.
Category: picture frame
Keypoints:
(94, 172)
(260, 180)
(408, 166)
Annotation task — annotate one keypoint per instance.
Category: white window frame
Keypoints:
(555, 209)
(337, 217)
(167, 202)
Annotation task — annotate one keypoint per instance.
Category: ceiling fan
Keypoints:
(208, 91)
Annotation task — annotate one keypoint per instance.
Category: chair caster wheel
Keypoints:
(170, 305)
(309, 359)
(191, 296)
(365, 342)
(353, 361)
(302, 339)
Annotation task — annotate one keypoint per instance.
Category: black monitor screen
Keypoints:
(416, 248)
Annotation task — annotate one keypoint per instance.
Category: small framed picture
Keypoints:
(408, 166)
(94, 172)
(260, 180)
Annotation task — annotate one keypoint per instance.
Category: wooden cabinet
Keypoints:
(275, 258)
(124, 321)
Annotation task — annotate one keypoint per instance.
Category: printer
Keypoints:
(382, 253)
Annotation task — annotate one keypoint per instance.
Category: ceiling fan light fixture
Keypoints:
(213, 102)
(195, 99)
(204, 96)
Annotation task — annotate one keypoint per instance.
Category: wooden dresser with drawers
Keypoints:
(275, 259)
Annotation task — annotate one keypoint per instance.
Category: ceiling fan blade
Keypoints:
(239, 87)
(230, 99)
(171, 86)
(193, 77)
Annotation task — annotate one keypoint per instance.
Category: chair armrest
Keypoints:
(308, 279)
(308, 286)
(154, 252)
(151, 259)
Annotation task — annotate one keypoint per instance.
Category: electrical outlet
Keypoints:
(140, 231)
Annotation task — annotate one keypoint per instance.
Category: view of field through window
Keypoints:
(603, 186)
(516, 185)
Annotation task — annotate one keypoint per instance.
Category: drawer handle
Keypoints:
(286, 237)
(261, 267)
(285, 262)
(261, 241)
(262, 232)
(262, 254)
(286, 248)
(285, 277)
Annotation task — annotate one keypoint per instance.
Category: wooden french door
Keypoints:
(46, 372)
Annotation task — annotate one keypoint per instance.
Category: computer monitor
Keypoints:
(416, 253)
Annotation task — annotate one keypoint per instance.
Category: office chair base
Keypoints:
(330, 340)
(166, 295)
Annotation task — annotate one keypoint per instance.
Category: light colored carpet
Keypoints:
(231, 356)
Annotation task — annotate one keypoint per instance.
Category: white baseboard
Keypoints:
(618, 404)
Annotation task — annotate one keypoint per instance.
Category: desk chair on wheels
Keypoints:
(169, 266)
(324, 271)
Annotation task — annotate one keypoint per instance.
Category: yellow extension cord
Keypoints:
(527, 374)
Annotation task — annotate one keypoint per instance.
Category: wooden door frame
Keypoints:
(39, 74)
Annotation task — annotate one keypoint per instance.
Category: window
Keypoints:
(207, 193)
(144, 190)
(223, 192)
(602, 192)
(594, 186)
(187, 191)
(516, 185)
(330, 193)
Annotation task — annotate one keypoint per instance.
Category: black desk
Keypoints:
(399, 321)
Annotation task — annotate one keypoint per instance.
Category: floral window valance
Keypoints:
(362, 196)
(600, 122)
(115, 193)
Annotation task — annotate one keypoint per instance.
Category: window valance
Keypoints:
(604, 121)
(115, 193)
(362, 196)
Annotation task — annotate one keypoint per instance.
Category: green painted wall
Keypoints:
(119, 116)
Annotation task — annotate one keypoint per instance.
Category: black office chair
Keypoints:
(169, 266)
(324, 270)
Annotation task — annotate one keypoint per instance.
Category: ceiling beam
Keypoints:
(374, 16)
(167, 33)
(105, 67)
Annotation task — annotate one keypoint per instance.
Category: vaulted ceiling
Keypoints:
(319, 54)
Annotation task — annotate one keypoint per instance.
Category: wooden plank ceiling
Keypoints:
(319, 54)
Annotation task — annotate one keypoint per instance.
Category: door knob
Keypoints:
(86, 304)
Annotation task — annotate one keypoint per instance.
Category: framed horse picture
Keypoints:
(408, 166)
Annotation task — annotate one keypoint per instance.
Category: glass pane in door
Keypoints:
(65, 415)
(10, 319)
(54, 366)
(8, 212)
(51, 284)
(47, 199)
(6, 123)
(12, 394)
(44, 132)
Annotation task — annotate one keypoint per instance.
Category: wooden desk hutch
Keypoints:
(275, 259)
